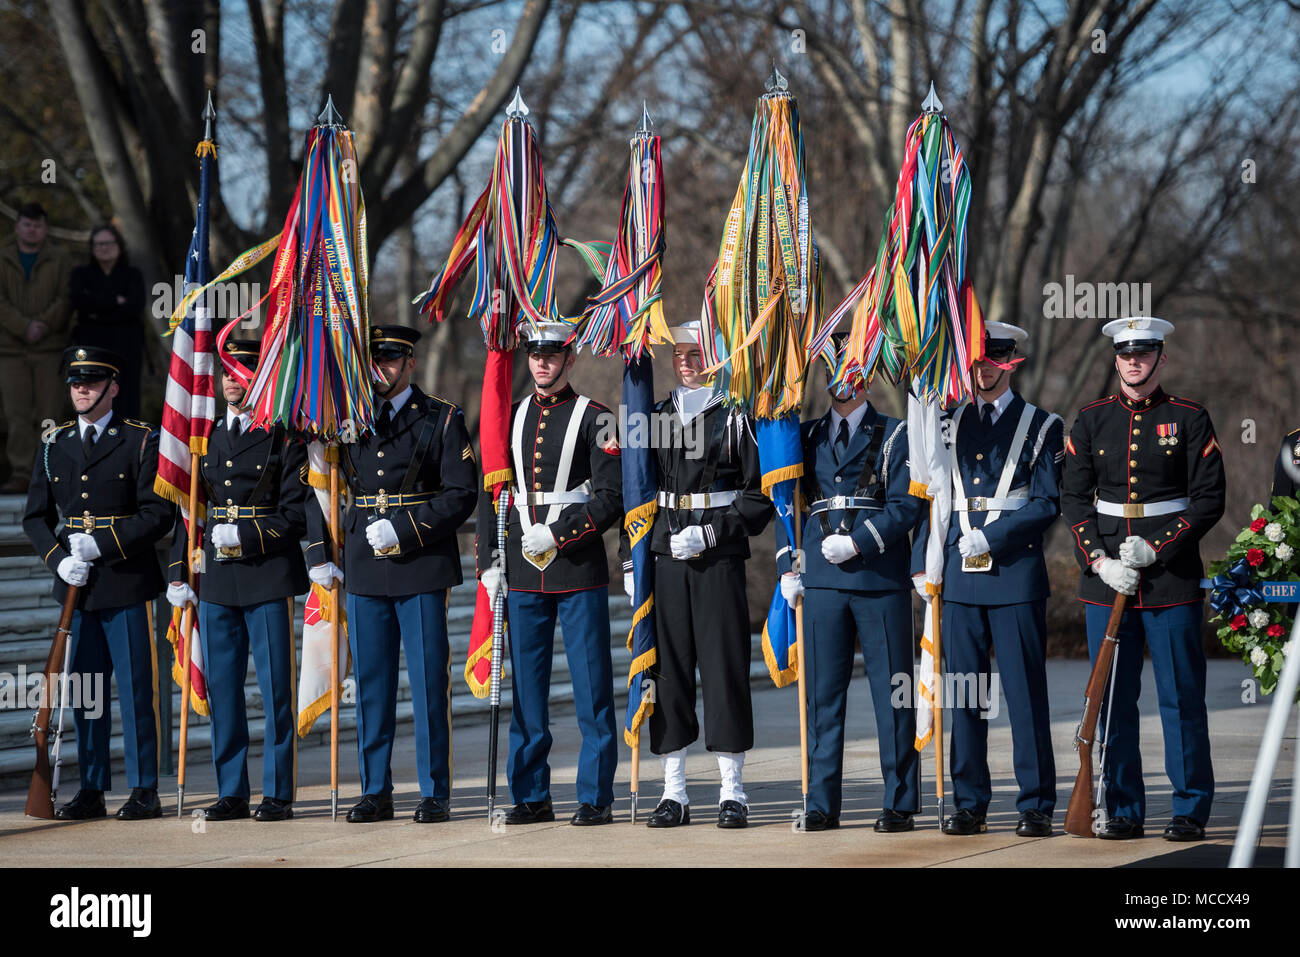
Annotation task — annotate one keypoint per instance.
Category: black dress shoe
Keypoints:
(589, 815)
(227, 809)
(371, 808)
(273, 809)
(1120, 829)
(1183, 828)
(84, 805)
(669, 814)
(733, 814)
(892, 822)
(1034, 823)
(531, 812)
(820, 821)
(433, 811)
(964, 823)
(141, 805)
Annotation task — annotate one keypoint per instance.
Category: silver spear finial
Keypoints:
(329, 116)
(932, 103)
(776, 83)
(517, 109)
(646, 129)
(209, 114)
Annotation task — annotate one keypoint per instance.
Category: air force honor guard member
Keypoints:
(569, 490)
(252, 569)
(96, 474)
(413, 484)
(1006, 463)
(1153, 465)
(710, 502)
(856, 549)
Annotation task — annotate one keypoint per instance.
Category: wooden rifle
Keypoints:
(40, 795)
(1079, 816)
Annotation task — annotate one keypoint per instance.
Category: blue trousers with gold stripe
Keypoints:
(1173, 635)
(584, 625)
(227, 634)
(116, 639)
(375, 625)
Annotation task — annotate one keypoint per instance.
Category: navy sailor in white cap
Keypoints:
(1143, 483)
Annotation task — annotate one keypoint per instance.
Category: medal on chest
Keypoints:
(1167, 434)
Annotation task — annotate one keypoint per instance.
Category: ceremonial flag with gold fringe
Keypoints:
(780, 454)
(314, 680)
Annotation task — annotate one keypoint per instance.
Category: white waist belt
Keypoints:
(574, 496)
(1141, 509)
(690, 500)
(1016, 498)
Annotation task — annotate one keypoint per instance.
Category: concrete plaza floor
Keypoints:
(771, 779)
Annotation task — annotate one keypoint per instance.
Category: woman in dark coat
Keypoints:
(108, 299)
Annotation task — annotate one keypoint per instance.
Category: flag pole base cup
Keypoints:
(633, 807)
(940, 811)
(492, 805)
(180, 802)
(334, 805)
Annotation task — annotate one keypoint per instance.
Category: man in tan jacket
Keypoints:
(34, 318)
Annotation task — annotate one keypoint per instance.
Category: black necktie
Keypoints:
(234, 427)
(386, 418)
(88, 441)
(986, 416)
(842, 438)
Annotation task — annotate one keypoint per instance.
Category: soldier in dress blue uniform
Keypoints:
(710, 503)
(1143, 483)
(1006, 462)
(252, 569)
(855, 541)
(568, 491)
(413, 484)
(96, 474)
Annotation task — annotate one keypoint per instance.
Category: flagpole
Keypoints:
(332, 454)
(797, 503)
(187, 636)
(936, 619)
(498, 642)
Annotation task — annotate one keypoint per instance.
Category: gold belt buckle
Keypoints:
(684, 501)
(540, 561)
(977, 563)
(381, 501)
(1132, 510)
(87, 523)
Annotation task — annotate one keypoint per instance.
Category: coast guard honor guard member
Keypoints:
(413, 484)
(856, 553)
(569, 490)
(1153, 465)
(96, 475)
(710, 502)
(252, 569)
(1006, 463)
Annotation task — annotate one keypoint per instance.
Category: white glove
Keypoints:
(1136, 552)
(225, 536)
(324, 574)
(973, 543)
(838, 548)
(918, 582)
(180, 594)
(1117, 575)
(538, 540)
(83, 547)
(629, 586)
(381, 534)
(687, 543)
(791, 587)
(491, 579)
(74, 571)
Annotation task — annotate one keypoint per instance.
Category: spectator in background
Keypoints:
(33, 334)
(108, 299)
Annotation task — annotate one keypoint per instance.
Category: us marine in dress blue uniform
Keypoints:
(1143, 484)
(856, 545)
(413, 485)
(95, 475)
(568, 491)
(252, 569)
(1006, 465)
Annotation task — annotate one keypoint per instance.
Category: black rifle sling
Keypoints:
(433, 426)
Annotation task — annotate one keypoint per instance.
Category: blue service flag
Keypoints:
(780, 459)
(639, 487)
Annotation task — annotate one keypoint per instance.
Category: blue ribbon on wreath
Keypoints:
(1232, 593)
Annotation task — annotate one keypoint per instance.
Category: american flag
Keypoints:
(189, 409)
